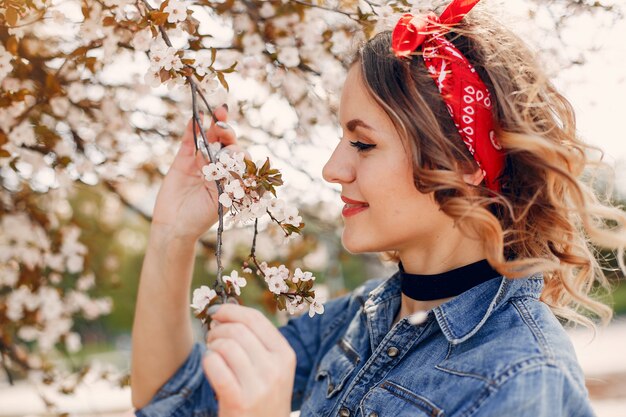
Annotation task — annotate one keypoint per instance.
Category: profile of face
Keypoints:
(384, 210)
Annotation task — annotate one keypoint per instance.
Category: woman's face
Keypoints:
(392, 213)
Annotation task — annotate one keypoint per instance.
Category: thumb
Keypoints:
(188, 146)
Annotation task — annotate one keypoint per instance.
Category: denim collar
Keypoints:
(464, 315)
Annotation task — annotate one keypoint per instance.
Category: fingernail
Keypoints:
(221, 124)
(213, 309)
(225, 106)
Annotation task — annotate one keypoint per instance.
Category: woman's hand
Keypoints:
(250, 365)
(187, 204)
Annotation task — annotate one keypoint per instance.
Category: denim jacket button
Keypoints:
(373, 414)
(344, 412)
(392, 351)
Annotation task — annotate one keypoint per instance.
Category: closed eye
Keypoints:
(360, 146)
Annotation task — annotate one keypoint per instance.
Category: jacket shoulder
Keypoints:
(522, 333)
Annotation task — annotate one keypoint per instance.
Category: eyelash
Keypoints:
(360, 146)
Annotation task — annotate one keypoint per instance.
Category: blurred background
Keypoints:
(85, 141)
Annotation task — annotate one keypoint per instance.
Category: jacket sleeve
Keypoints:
(188, 391)
(544, 390)
(306, 335)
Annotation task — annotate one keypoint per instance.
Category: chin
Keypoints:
(356, 245)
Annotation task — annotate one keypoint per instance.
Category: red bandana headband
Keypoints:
(466, 96)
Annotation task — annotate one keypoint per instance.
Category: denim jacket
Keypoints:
(495, 350)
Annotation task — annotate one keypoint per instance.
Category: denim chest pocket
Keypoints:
(392, 400)
(336, 367)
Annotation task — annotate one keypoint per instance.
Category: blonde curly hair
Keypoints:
(546, 217)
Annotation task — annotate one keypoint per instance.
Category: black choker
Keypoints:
(447, 284)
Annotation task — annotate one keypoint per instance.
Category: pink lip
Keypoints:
(352, 207)
(350, 201)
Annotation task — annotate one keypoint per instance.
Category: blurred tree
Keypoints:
(91, 102)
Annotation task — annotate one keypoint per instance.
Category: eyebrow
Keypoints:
(354, 123)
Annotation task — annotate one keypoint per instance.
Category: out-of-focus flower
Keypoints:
(5, 63)
(289, 56)
(177, 11)
(142, 40)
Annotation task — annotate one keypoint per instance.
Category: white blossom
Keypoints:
(236, 281)
(209, 83)
(276, 207)
(289, 56)
(315, 308)
(291, 216)
(86, 282)
(298, 275)
(277, 285)
(202, 297)
(5, 63)
(203, 63)
(90, 30)
(177, 11)
(24, 134)
(142, 40)
(28, 333)
(253, 44)
(213, 172)
(72, 342)
(225, 200)
(235, 189)
(152, 78)
(267, 10)
(60, 106)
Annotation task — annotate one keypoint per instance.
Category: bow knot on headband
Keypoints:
(466, 96)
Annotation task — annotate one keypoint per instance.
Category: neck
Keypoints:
(448, 250)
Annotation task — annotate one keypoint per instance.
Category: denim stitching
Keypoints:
(524, 312)
(507, 374)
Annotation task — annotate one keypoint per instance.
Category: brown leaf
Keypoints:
(11, 15)
(12, 45)
(159, 18)
(222, 80)
(109, 21)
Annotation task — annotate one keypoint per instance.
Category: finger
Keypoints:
(222, 379)
(239, 332)
(220, 113)
(264, 330)
(222, 132)
(236, 359)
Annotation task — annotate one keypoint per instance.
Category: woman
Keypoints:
(464, 170)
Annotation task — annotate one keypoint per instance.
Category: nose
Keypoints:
(339, 168)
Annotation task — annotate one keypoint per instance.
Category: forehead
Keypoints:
(358, 103)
